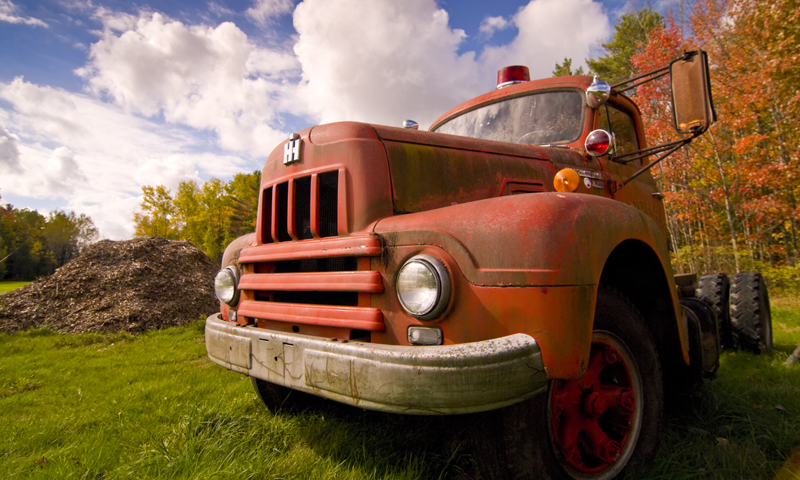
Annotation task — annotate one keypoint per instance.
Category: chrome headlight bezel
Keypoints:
(227, 278)
(441, 295)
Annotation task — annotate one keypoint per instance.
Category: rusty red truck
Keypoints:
(513, 259)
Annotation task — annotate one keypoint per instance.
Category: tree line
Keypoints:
(210, 215)
(32, 245)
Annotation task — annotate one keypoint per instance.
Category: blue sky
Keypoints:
(99, 97)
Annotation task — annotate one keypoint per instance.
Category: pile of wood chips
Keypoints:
(133, 286)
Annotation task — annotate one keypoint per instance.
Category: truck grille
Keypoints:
(308, 273)
(301, 208)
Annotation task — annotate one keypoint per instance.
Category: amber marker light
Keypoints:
(566, 180)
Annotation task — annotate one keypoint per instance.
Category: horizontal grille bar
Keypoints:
(327, 264)
(362, 318)
(333, 247)
(361, 281)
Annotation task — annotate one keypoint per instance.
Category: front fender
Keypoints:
(532, 263)
(232, 251)
(538, 239)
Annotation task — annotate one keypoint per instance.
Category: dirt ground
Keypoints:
(132, 285)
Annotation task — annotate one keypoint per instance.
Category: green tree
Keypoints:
(210, 215)
(21, 231)
(158, 217)
(32, 245)
(216, 213)
(243, 193)
(65, 234)
(630, 37)
(189, 212)
(5, 239)
(564, 69)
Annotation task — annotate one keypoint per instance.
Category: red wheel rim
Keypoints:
(594, 419)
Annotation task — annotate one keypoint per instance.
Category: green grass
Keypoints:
(8, 286)
(743, 425)
(153, 406)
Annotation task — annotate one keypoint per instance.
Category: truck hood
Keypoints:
(387, 170)
(432, 170)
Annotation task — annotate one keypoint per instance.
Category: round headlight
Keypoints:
(423, 287)
(225, 283)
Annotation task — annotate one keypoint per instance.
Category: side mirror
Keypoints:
(597, 93)
(693, 110)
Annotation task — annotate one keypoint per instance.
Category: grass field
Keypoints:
(153, 406)
(8, 286)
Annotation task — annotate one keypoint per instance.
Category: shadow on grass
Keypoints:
(390, 445)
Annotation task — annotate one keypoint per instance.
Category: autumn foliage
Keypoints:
(210, 215)
(732, 195)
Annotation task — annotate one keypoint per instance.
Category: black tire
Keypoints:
(750, 312)
(714, 289)
(522, 451)
(279, 398)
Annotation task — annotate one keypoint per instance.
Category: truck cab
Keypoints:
(516, 251)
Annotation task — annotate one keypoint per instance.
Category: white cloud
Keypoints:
(63, 173)
(550, 30)
(219, 10)
(8, 11)
(384, 61)
(489, 25)
(266, 10)
(95, 156)
(381, 61)
(203, 77)
(9, 151)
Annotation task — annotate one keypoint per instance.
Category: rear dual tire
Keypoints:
(750, 312)
(714, 289)
(742, 308)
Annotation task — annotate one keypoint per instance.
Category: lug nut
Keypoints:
(627, 401)
(612, 357)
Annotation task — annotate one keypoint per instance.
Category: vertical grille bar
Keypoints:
(302, 208)
(266, 216)
(291, 213)
(329, 204)
(283, 212)
(274, 227)
(314, 217)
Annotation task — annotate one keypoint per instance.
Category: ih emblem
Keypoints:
(291, 151)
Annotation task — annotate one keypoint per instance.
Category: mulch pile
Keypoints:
(133, 286)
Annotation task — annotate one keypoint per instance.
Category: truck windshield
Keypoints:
(540, 119)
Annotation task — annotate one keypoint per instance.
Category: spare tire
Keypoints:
(714, 289)
(750, 312)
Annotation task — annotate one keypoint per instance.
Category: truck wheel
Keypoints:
(714, 289)
(750, 312)
(600, 425)
(277, 397)
(609, 419)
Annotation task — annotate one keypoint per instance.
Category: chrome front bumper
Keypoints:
(447, 379)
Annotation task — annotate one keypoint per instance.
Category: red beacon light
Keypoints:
(511, 75)
(598, 143)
